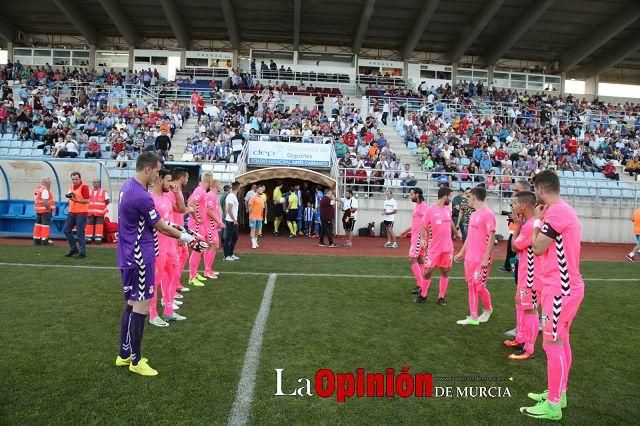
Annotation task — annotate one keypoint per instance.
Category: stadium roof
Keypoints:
(584, 36)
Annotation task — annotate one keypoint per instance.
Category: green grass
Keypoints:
(60, 335)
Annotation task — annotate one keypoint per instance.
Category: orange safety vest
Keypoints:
(97, 202)
(39, 202)
(74, 207)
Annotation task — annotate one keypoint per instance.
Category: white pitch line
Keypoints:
(244, 395)
(292, 274)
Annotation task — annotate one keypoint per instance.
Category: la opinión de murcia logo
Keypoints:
(390, 384)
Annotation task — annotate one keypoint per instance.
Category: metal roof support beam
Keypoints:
(77, 19)
(628, 15)
(120, 20)
(363, 25)
(526, 21)
(8, 31)
(426, 13)
(230, 20)
(297, 6)
(614, 55)
(179, 30)
(469, 36)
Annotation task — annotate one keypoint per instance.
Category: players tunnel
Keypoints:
(288, 176)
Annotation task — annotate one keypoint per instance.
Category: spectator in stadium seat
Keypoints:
(93, 149)
(70, 150)
(633, 166)
(600, 161)
(610, 171)
(340, 147)
(407, 179)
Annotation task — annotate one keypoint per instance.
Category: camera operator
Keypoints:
(79, 198)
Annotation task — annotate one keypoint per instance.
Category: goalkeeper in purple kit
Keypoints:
(138, 223)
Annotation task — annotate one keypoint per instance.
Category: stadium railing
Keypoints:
(365, 80)
(578, 190)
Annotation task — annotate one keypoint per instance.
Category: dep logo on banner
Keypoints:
(289, 154)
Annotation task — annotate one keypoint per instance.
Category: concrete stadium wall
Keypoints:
(603, 225)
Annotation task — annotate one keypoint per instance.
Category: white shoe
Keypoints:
(395, 245)
(183, 289)
(178, 296)
(175, 307)
(177, 302)
(158, 322)
(254, 246)
(467, 321)
(235, 257)
(510, 333)
(174, 317)
(485, 316)
(229, 259)
(387, 244)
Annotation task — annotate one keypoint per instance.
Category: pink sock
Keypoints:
(167, 298)
(425, 286)
(485, 296)
(415, 268)
(556, 371)
(209, 257)
(194, 262)
(569, 358)
(444, 283)
(531, 323)
(520, 325)
(473, 301)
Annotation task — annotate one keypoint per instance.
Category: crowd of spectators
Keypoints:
(73, 127)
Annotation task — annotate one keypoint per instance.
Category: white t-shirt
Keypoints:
(351, 203)
(250, 194)
(389, 207)
(233, 201)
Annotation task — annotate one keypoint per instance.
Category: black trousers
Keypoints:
(510, 254)
(326, 229)
(230, 239)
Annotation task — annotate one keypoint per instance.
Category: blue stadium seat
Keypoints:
(115, 173)
(29, 211)
(15, 210)
(36, 152)
(15, 144)
(612, 184)
(7, 137)
(605, 193)
(583, 192)
(5, 144)
(582, 184)
(598, 175)
(4, 151)
(14, 151)
(578, 174)
(623, 185)
(627, 193)
(568, 191)
(25, 152)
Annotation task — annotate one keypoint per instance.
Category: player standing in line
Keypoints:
(278, 204)
(167, 259)
(199, 223)
(138, 222)
(418, 241)
(256, 210)
(388, 215)
(179, 179)
(214, 218)
(526, 300)
(265, 210)
(439, 227)
(292, 213)
(477, 252)
(556, 240)
(635, 218)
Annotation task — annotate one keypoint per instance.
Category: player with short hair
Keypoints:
(167, 258)
(477, 252)
(292, 212)
(526, 300)
(214, 218)
(556, 240)
(418, 242)
(179, 179)
(635, 218)
(138, 222)
(199, 223)
(439, 227)
(278, 208)
(256, 211)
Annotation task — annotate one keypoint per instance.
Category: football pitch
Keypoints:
(297, 314)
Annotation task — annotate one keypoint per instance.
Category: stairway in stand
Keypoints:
(179, 141)
(398, 146)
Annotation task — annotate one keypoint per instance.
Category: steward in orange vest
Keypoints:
(98, 201)
(78, 196)
(44, 206)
